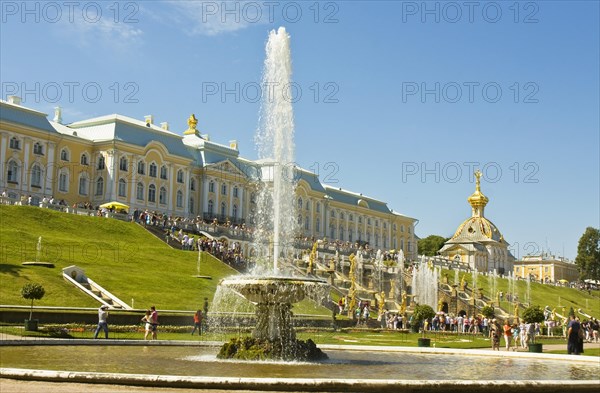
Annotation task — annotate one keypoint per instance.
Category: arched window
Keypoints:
(152, 193)
(350, 235)
(299, 220)
(83, 185)
(332, 213)
(299, 203)
(36, 176)
(307, 205)
(341, 216)
(139, 193)
(341, 232)
(179, 199)
(318, 225)
(191, 205)
(180, 176)
(141, 168)
(15, 143)
(223, 209)
(101, 163)
(13, 172)
(377, 240)
(332, 232)
(122, 188)
(38, 149)
(235, 192)
(350, 217)
(123, 164)
(152, 172)
(235, 211)
(162, 196)
(223, 189)
(63, 181)
(193, 184)
(318, 207)
(163, 172)
(306, 224)
(211, 186)
(84, 159)
(401, 244)
(211, 207)
(99, 186)
(64, 155)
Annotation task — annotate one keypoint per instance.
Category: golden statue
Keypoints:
(192, 122)
(392, 294)
(440, 305)
(478, 175)
(517, 309)
(352, 290)
(311, 259)
(463, 283)
(381, 302)
(403, 304)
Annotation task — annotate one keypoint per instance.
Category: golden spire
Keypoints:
(192, 122)
(477, 199)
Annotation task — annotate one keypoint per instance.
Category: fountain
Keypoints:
(272, 293)
(425, 284)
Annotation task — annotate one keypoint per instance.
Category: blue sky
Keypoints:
(510, 88)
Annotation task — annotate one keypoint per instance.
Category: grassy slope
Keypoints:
(131, 263)
(122, 257)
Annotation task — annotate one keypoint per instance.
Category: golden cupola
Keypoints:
(477, 200)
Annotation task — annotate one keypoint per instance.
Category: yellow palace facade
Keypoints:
(149, 167)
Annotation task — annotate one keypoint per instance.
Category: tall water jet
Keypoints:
(275, 223)
(271, 293)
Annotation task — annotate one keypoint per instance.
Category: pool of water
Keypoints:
(198, 361)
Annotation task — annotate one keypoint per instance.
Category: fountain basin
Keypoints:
(275, 290)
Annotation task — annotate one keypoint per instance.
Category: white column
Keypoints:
(110, 175)
(230, 193)
(186, 187)
(133, 185)
(48, 185)
(25, 168)
(241, 204)
(172, 190)
(205, 194)
(3, 145)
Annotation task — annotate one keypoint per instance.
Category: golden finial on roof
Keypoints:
(477, 200)
(192, 122)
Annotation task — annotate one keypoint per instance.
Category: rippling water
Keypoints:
(341, 364)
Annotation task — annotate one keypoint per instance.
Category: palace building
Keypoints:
(477, 242)
(185, 174)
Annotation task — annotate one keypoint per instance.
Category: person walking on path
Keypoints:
(495, 335)
(154, 321)
(102, 321)
(507, 334)
(147, 324)
(197, 322)
(574, 336)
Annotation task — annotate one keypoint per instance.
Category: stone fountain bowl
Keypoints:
(276, 290)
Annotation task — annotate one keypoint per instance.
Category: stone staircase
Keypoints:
(76, 276)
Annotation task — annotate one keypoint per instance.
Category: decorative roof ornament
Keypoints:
(477, 200)
(192, 122)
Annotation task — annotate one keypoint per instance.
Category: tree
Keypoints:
(422, 312)
(533, 314)
(430, 245)
(588, 254)
(488, 312)
(32, 291)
